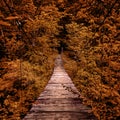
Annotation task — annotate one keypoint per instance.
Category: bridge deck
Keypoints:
(60, 100)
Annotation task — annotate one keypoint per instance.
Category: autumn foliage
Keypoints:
(32, 32)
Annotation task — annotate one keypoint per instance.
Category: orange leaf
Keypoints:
(12, 17)
(4, 23)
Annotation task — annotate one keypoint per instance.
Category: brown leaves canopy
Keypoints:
(88, 31)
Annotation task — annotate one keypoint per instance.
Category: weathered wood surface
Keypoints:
(60, 100)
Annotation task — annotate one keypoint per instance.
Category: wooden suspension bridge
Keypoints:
(60, 99)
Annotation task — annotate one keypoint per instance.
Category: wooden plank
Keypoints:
(60, 116)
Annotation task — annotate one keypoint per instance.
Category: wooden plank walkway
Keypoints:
(60, 100)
